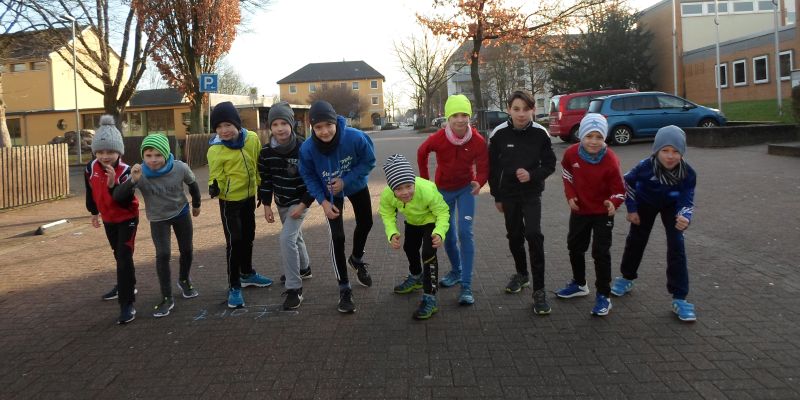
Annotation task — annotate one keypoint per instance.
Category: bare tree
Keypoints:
(9, 17)
(151, 79)
(230, 82)
(344, 101)
(425, 61)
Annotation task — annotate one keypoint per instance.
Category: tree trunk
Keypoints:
(5, 136)
(428, 110)
(196, 116)
(474, 71)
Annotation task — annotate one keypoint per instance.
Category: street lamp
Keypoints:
(75, 86)
(775, 4)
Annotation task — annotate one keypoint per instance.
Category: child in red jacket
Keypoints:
(594, 189)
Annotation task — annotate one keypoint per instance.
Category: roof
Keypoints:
(35, 44)
(156, 97)
(332, 71)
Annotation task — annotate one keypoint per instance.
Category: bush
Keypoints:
(796, 102)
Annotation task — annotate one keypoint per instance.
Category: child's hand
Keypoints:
(681, 223)
(573, 204)
(476, 188)
(499, 206)
(436, 241)
(111, 175)
(633, 218)
(136, 172)
(331, 212)
(213, 189)
(395, 242)
(195, 211)
(336, 185)
(297, 210)
(96, 221)
(523, 175)
(268, 215)
(610, 207)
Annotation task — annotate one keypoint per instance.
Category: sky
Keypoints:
(292, 33)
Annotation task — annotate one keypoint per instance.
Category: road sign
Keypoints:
(209, 83)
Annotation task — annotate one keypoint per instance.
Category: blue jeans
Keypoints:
(458, 243)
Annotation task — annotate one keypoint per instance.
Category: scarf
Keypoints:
(591, 158)
(236, 143)
(159, 172)
(455, 139)
(666, 176)
(283, 149)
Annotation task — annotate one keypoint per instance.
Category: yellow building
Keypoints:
(356, 76)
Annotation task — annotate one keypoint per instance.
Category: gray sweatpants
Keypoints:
(293, 247)
(161, 233)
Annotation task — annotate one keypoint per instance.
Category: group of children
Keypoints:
(334, 163)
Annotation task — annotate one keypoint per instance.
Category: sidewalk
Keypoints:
(58, 339)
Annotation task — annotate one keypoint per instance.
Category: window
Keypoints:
(742, 6)
(324, 86)
(739, 73)
(374, 100)
(540, 102)
(39, 65)
(343, 85)
(312, 87)
(723, 75)
(786, 65)
(355, 85)
(19, 67)
(723, 8)
(90, 121)
(760, 70)
(160, 121)
(134, 123)
(2, 68)
(765, 5)
(15, 130)
(633, 103)
(292, 89)
(692, 9)
(578, 103)
(670, 102)
(373, 84)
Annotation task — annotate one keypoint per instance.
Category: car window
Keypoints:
(596, 105)
(648, 103)
(670, 102)
(578, 103)
(620, 104)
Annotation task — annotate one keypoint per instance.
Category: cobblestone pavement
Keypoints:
(59, 340)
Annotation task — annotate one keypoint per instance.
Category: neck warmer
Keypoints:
(669, 177)
(161, 171)
(511, 124)
(236, 143)
(283, 149)
(326, 148)
(591, 158)
(451, 136)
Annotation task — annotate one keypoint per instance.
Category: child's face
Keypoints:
(458, 123)
(404, 192)
(227, 131)
(325, 130)
(107, 157)
(593, 142)
(520, 113)
(669, 157)
(281, 131)
(153, 158)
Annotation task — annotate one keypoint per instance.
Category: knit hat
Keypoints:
(282, 111)
(593, 123)
(321, 111)
(156, 141)
(398, 171)
(457, 103)
(670, 135)
(107, 136)
(225, 112)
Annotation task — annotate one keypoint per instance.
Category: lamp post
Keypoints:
(717, 72)
(775, 4)
(75, 87)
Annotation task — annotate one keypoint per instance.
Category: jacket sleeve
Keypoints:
(442, 213)
(547, 160)
(630, 179)
(255, 149)
(422, 157)
(566, 176)
(388, 213)
(191, 181)
(494, 168)
(215, 170)
(265, 187)
(616, 185)
(123, 192)
(315, 186)
(366, 161)
(685, 204)
(482, 163)
(91, 206)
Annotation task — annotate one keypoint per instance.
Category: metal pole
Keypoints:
(75, 87)
(208, 97)
(674, 52)
(777, 59)
(717, 74)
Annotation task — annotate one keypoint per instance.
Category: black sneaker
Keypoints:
(163, 308)
(126, 314)
(362, 274)
(293, 298)
(114, 293)
(346, 301)
(187, 290)
(540, 305)
(517, 282)
(304, 274)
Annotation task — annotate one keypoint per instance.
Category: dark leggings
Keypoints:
(523, 223)
(160, 231)
(581, 228)
(362, 208)
(420, 236)
(239, 224)
(122, 237)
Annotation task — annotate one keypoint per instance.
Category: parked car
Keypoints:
(438, 122)
(634, 115)
(567, 110)
(486, 120)
(390, 125)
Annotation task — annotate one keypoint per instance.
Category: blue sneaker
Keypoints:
(235, 299)
(427, 307)
(620, 286)
(451, 279)
(684, 310)
(572, 290)
(602, 305)
(255, 279)
(466, 298)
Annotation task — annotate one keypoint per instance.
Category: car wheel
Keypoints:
(565, 139)
(708, 123)
(621, 135)
(573, 134)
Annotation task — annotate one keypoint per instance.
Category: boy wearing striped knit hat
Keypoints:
(427, 219)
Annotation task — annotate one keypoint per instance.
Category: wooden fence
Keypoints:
(133, 143)
(29, 174)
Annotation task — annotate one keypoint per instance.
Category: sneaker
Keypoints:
(409, 285)
(540, 305)
(346, 304)
(163, 308)
(114, 294)
(684, 310)
(293, 298)
(304, 274)
(362, 274)
(517, 282)
(451, 279)
(235, 299)
(620, 286)
(187, 290)
(602, 305)
(427, 307)
(466, 298)
(572, 290)
(126, 314)
(255, 279)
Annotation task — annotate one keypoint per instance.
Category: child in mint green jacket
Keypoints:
(427, 221)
